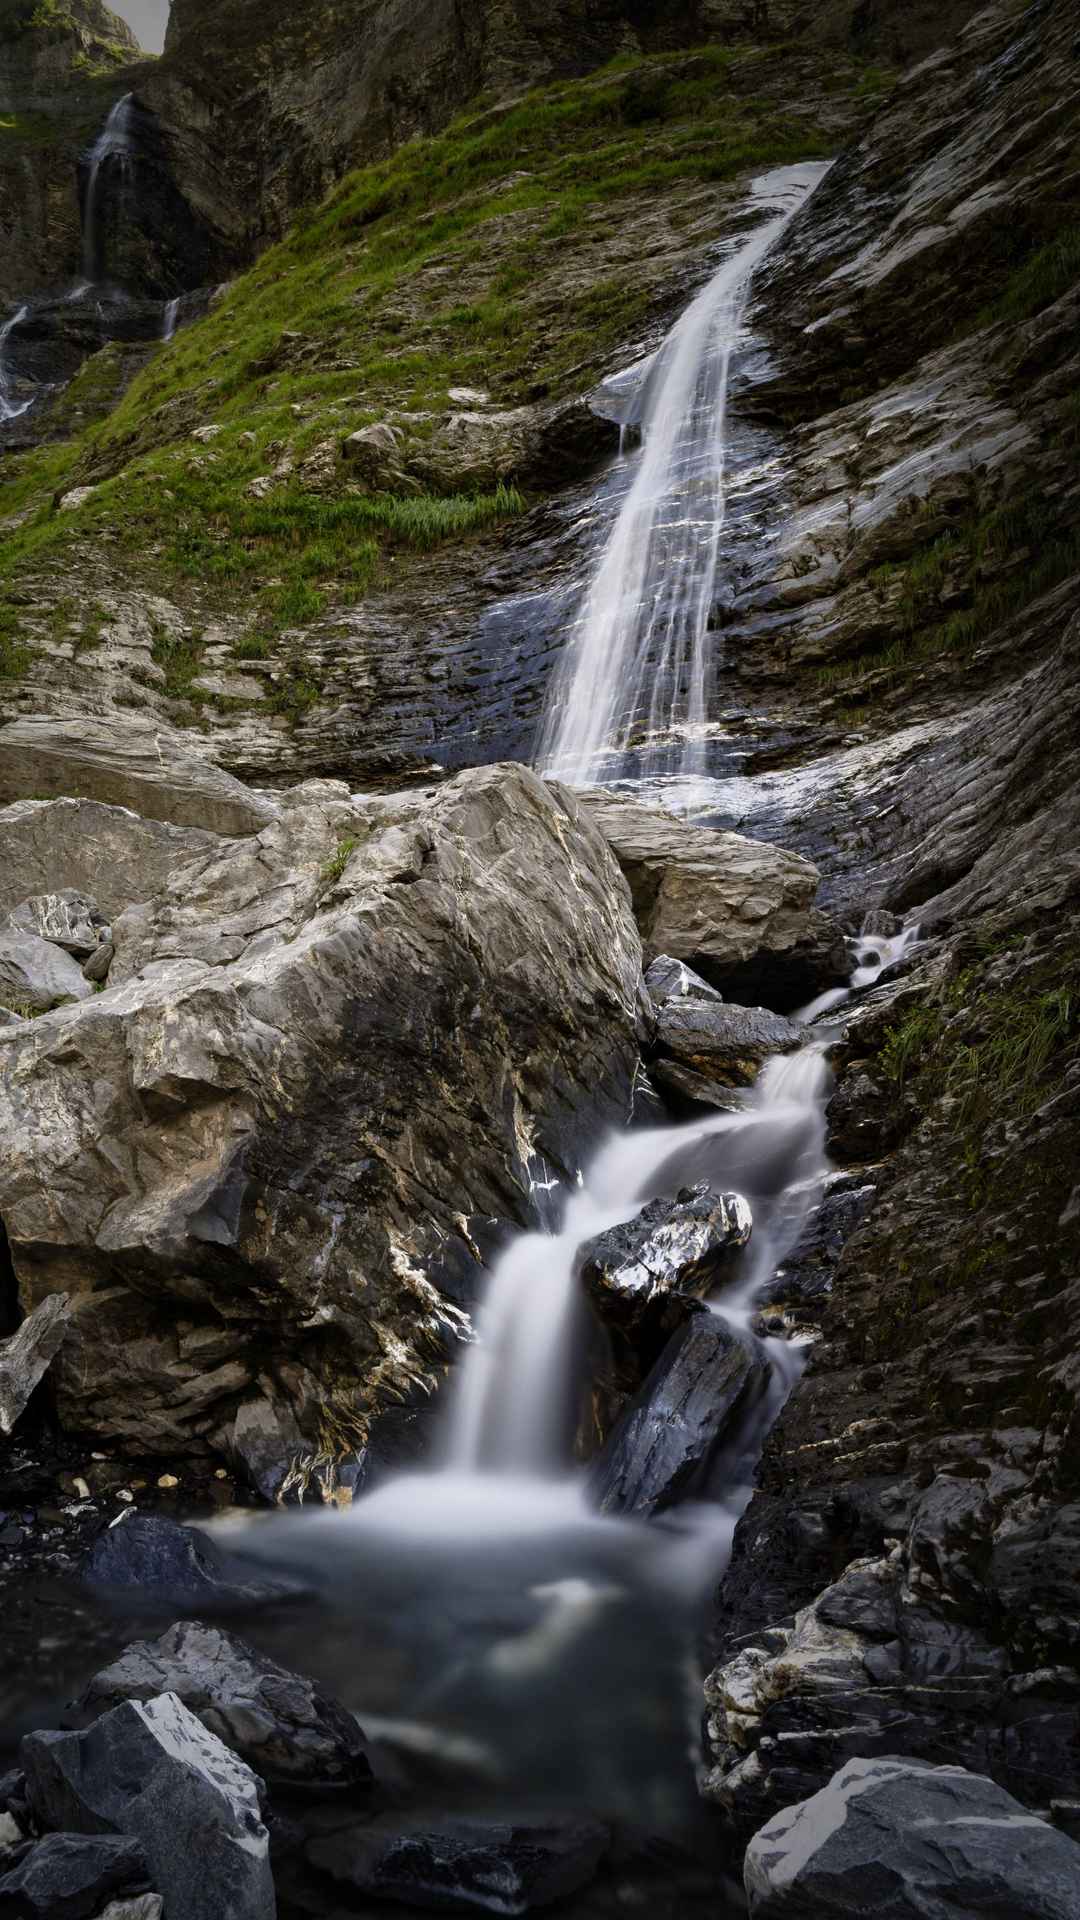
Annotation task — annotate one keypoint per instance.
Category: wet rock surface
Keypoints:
(153, 1773)
(724, 1042)
(68, 1876)
(463, 1866)
(672, 1248)
(912, 1840)
(661, 1446)
(282, 1724)
(156, 1563)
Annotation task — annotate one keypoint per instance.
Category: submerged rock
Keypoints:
(28, 1353)
(662, 1445)
(152, 1772)
(36, 976)
(464, 1866)
(162, 1564)
(900, 1837)
(67, 1876)
(281, 1723)
(723, 1042)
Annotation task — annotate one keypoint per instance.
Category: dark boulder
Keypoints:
(907, 1841)
(159, 1563)
(662, 1445)
(281, 1723)
(723, 1042)
(154, 1773)
(464, 1866)
(68, 1876)
(804, 1281)
(865, 1117)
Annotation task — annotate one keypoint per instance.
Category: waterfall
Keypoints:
(637, 673)
(114, 142)
(10, 409)
(172, 315)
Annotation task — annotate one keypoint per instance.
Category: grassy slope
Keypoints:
(465, 259)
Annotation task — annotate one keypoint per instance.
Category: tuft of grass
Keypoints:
(332, 869)
(1048, 273)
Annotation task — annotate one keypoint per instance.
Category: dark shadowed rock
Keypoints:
(27, 1354)
(723, 1042)
(865, 1117)
(805, 1279)
(67, 1876)
(464, 1866)
(281, 1723)
(156, 1562)
(685, 1090)
(154, 1773)
(908, 1841)
(663, 1443)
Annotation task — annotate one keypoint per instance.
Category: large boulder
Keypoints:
(67, 1876)
(109, 852)
(269, 1161)
(281, 1723)
(908, 1841)
(125, 763)
(719, 1042)
(36, 976)
(740, 911)
(662, 1445)
(27, 1354)
(464, 1866)
(152, 1772)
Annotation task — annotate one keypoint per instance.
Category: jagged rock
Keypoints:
(126, 763)
(670, 980)
(663, 1443)
(270, 1156)
(281, 1723)
(805, 1279)
(148, 1906)
(108, 853)
(464, 1866)
(739, 911)
(899, 1837)
(35, 975)
(683, 1088)
(723, 1042)
(153, 1772)
(68, 919)
(162, 1564)
(374, 455)
(27, 1354)
(865, 1117)
(75, 498)
(66, 1876)
(671, 1251)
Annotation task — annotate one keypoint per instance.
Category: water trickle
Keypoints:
(171, 316)
(114, 144)
(10, 409)
(638, 673)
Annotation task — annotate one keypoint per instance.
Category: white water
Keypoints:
(10, 409)
(639, 669)
(114, 143)
(172, 315)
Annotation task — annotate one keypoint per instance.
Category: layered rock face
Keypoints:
(266, 1160)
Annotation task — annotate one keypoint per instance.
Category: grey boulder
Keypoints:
(108, 852)
(282, 1724)
(722, 1042)
(153, 1772)
(464, 1866)
(66, 1876)
(904, 1840)
(668, 979)
(126, 763)
(35, 976)
(662, 1445)
(671, 1250)
(68, 919)
(28, 1353)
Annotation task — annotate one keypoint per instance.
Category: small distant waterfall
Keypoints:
(116, 144)
(172, 315)
(10, 409)
(637, 674)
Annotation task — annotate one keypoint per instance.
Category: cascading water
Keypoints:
(637, 674)
(114, 146)
(10, 409)
(171, 317)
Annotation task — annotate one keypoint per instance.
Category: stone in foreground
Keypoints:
(26, 1356)
(281, 1723)
(159, 1563)
(464, 1866)
(153, 1772)
(907, 1841)
(662, 1445)
(67, 1876)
